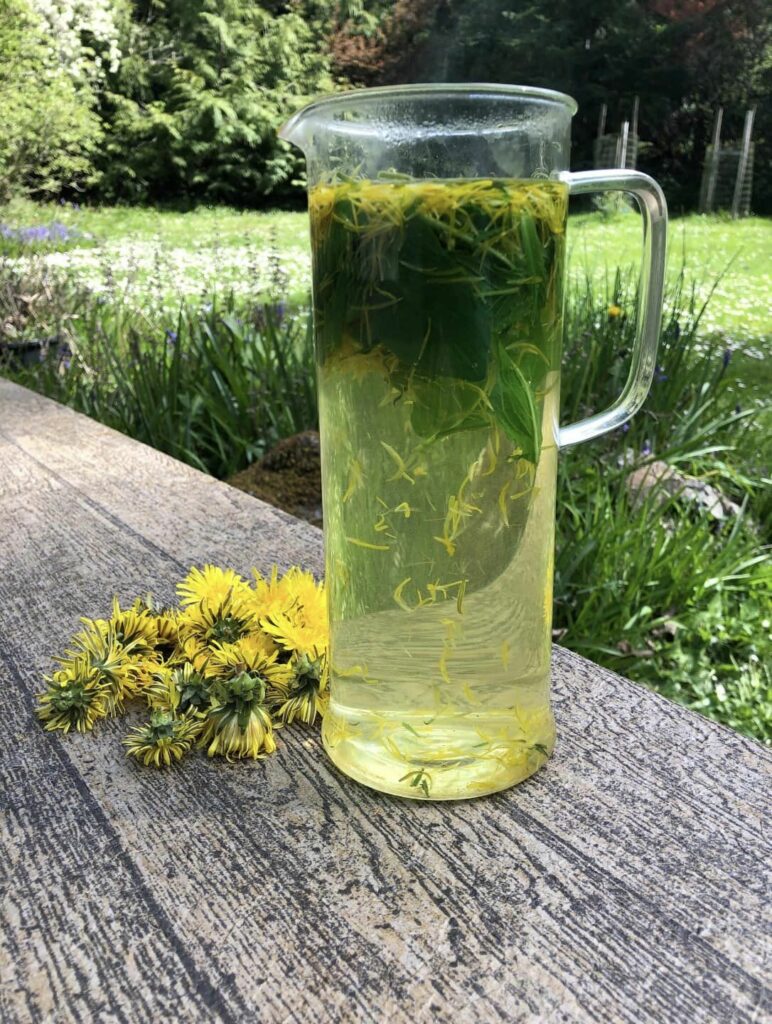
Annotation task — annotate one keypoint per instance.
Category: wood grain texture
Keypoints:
(624, 882)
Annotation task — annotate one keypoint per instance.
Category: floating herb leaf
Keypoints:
(439, 412)
(513, 403)
(456, 279)
(418, 780)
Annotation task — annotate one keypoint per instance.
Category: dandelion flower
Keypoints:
(306, 695)
(270, 595)
(114, 671)
(239, 724)
(160, 692)
(213, 585)
(72, 699)
(292, 634)
(257, 655)
(134, 628)
(181, 690)
(298, 621)
(163, 739)
(222, 623)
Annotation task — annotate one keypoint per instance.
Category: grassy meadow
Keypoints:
(186, 253)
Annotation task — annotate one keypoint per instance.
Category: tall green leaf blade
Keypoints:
(515, 407)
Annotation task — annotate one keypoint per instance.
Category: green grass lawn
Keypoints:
(208, 227)
(187, 253)
(733, 256)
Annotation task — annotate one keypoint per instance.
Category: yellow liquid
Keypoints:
(438, 688)
(438, 490)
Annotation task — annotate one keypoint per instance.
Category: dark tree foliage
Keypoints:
(192, 111)
(400, 44)
(681, 57)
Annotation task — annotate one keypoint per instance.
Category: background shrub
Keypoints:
(50, 130)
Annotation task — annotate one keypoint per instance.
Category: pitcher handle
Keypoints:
(653, 207)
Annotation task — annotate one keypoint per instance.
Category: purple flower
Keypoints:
(66, 362)
(171, 337)
(280, 309)
(625, 427)
(646, 450)
(660, 374)
(727, 357)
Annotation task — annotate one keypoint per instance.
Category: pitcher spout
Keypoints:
(294, 130)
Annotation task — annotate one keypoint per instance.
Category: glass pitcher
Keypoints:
(438, 229)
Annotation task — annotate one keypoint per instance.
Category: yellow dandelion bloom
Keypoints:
(161, 692)
(239, 723)
(256, 655)
(222, 623)
(73, 699)
(296, 589)
(111, 662)
(134, 628)
(614, 311)
(271, 594)
(253, 651)
(212, 585)
(163, 740)
(294, 613)
(192, 688)
(181, 690)
(307, 694)
(291, 633)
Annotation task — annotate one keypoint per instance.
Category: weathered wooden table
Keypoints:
(624, 882)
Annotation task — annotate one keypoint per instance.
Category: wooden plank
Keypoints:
(624, 882)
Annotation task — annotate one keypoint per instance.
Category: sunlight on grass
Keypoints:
(738, 252)
(187, 253)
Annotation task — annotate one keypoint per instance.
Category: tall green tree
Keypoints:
(201, 90)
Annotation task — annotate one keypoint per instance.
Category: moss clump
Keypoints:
(288, 477)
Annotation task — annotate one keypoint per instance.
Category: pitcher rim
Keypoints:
(453, 88)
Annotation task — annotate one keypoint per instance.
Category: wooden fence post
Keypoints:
(742, 164)
(634, 132)
(710, 191)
